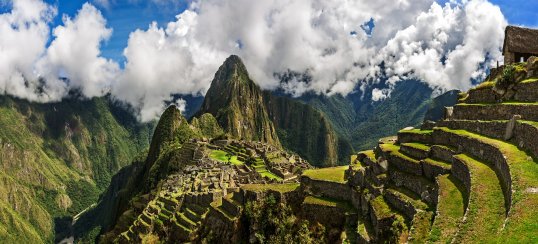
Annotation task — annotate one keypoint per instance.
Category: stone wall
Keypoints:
(495, 112)
(334, 190)
(327, 215)
(462, 173)
(526, 92)
(431, 170)
(485, 153)
(493, 129)
(414, 152)
(419, 185)
(484, 95)
(526, 137)
(397, 202)
(406, 136)
(405, 165)
(442, 153)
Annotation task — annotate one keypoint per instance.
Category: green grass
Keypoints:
(219, 155)
(334, 174)
(437, 163)
(421, 226)
(530, 80)
(394, 150)
(283, 188)
(381, 208)
(484, 85)
(417, 131)
(486, 213)
(450, 209)
(269, 175)
(222, 156)
(521, 225)
(418, 146)
(370, 154)
(323, 201)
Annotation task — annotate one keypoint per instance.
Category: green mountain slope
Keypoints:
(57, 158)
(363, 122)
(306, 131)
(134, 182)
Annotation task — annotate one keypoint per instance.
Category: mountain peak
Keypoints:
(237, 104)
(232, 71)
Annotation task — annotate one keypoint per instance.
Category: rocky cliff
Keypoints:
(245, 112)
(237, 104)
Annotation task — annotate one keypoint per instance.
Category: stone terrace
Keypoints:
(469, 178)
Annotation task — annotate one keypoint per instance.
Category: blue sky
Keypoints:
(125, 16)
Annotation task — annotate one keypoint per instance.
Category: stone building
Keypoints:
(519, 44)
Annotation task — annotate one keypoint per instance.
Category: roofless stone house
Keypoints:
(519, 44)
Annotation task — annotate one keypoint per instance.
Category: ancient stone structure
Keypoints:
(519, 44)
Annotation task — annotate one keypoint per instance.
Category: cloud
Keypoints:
(31, 70)
(446, 46)
(443, 45)
(75, 53)
(23, 37)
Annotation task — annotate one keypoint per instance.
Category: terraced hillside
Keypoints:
(470, 178)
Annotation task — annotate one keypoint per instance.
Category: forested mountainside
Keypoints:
(57, 158)
(362, 121)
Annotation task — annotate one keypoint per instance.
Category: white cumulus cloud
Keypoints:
(443, 45)
(75, 53)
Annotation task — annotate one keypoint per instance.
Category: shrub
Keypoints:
(507, 77)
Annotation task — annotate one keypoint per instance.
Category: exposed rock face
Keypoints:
(237, 103)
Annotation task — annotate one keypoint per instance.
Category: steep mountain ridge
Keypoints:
(237, 104)
(136, 183)
(245, 112)
(56, 159)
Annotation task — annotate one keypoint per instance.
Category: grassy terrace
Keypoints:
(417, 131)
(334, 174)
(383, 210)
(486, 213)
(450, 209)
(418, 146)
(370, 154)
(521, 225)
(283, 188)
(503, 103)
(394, 150)
(224, 157)
(408, 196)
(437, 163)
(323, 201)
